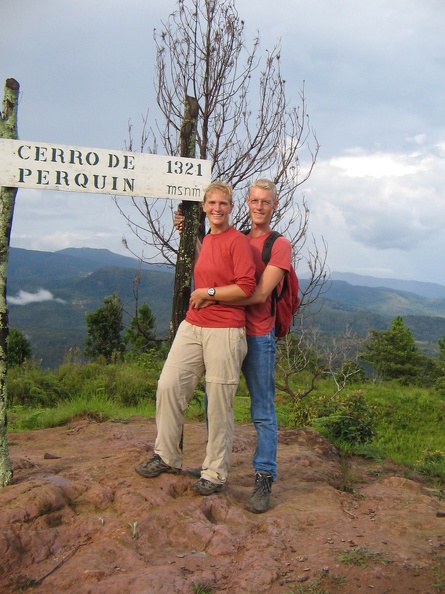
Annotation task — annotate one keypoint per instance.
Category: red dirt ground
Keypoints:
(79, 519)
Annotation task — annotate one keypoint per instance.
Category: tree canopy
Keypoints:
(104, 330)
(393, 353)
(19, 347)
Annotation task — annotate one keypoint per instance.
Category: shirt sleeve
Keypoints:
(281, 255)
(243, 263)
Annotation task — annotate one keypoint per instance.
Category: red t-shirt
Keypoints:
(225, 259)
(259, 320)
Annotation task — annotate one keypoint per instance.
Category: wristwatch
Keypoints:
(211, 292)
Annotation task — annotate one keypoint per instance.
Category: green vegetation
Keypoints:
(362, 557)
(104, 330)
(322, 583)
(203, 587)
(376, 420)
(393, 353)
(19, 348)
(397, 415)
(79, 279)
(39, 398)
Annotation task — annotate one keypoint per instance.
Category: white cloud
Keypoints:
(376, 165)
(377, 218)
(25, 298)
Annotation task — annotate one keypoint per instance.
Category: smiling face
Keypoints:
(261, 203)
(217, 205)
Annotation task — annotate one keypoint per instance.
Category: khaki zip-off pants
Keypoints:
(219, 352)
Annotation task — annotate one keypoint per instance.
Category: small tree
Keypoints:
(313, 358)
(19, 348)
(104, 330)
(140, 334)
(393, 353)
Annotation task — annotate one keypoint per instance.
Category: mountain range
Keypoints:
(49, 294)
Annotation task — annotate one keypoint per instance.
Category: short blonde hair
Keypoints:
(222, 187)
(266, 184)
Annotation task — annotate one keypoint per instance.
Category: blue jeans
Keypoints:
(258, 370)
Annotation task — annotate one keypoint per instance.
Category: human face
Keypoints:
(261, 206)
(217, 207)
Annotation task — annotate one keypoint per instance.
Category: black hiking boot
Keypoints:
(260, 499)
(205, 487)
(194, 472)
(154, 467)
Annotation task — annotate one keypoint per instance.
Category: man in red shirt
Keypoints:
(259, 365)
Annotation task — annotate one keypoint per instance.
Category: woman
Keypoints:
(213, 340)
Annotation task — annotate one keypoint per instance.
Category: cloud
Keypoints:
(378, 199)
(374, 95)
(25, 298)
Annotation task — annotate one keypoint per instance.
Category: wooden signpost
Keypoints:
(43, 166)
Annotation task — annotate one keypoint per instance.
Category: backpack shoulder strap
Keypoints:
(267, 247)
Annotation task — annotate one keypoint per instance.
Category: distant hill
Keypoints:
(430, 290)
(102, 257)
(50, 292)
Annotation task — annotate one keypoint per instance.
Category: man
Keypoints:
(259, 365)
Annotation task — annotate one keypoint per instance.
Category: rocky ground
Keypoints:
(79, 519)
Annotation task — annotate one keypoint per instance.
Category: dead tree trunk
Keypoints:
(193, 225)
(8, 129)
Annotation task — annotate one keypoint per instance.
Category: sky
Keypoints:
(374, 79)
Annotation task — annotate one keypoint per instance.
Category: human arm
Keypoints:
(267, 283)
(270, 278)
(229, 294)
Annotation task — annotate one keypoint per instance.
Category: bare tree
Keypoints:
(306, 352)
(246, 125)
(8, 129)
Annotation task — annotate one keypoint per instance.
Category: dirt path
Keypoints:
(78, 519)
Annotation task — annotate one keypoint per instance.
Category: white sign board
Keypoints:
(44, 166)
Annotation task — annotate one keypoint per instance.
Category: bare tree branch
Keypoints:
(246, 126)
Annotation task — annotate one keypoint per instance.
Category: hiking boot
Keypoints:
(205, 487)
(194, 472)
(155, 466)
(260, 498)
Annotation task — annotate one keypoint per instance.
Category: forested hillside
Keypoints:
(49, 294)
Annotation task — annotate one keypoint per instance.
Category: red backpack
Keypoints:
(286, 303)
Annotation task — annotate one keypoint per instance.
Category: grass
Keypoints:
(361, 556)
(410, 427)
(96, 407)
(202, 588)
(321, 584)
(408, 423)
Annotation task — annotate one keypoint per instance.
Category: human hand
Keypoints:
(200, 299)
(178, 220)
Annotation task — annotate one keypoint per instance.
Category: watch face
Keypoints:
(211, 291)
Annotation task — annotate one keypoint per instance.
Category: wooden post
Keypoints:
(8, 129)
(193, 226)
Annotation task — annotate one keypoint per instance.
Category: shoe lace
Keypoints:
(263, 484)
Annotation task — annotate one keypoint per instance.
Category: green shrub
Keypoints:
(28, 385)
(432, 464)
(345, 418)
(126, 383)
